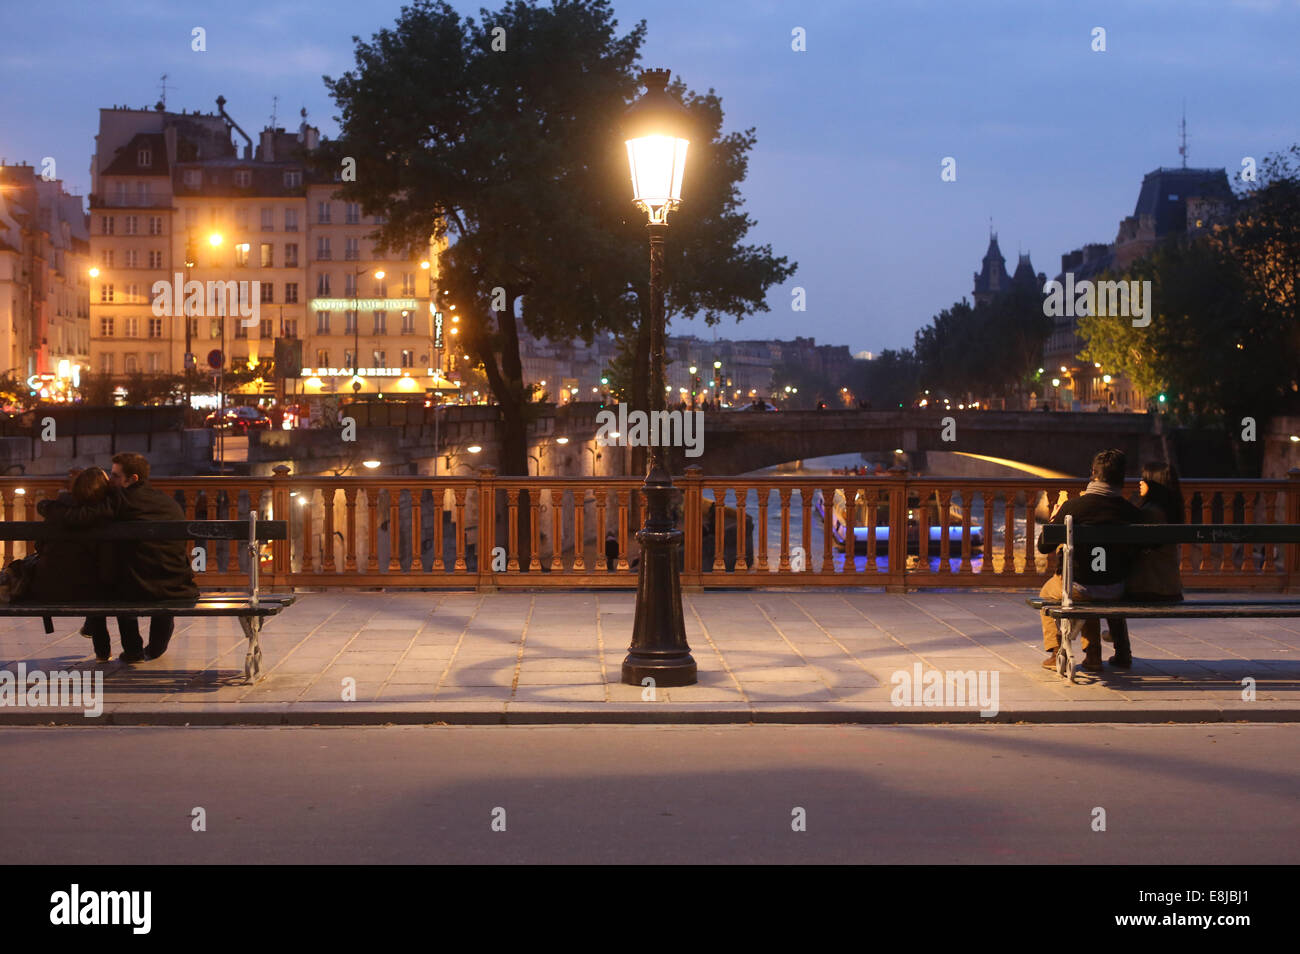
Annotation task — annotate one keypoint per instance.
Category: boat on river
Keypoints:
(930, 508)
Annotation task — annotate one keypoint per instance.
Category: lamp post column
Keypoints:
(659, 650)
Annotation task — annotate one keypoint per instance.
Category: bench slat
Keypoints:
(1154, 534)
(145, 530)
(1207, 609)
(268, 605)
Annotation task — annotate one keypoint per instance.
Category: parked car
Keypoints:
(239, 420)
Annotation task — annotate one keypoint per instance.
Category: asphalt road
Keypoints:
(655, 794)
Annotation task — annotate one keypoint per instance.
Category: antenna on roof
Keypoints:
(163, 86)
(275, 105)
(1182, 136)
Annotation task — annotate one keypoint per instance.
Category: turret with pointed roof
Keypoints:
(992, 280)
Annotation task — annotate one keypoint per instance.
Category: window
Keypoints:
(408, 323)
(144, 157)
(323, 358)
(131, 225)
(381, 321)
(322, 328)
(350, 285)
(381, 288)
(291, 255)
(323, 213)
(193, 178)
(352, 249)
(291, 293)
(293, 179)
(265, 328)
(130, 363)
(106, 292)
(268, 292)
(131, 327)
(155, 259)
(105, 225)
(132, 257)
(268, 255)
(322, 249)
(132, 293)
(347, 359)
(240, 330)
(289, 328)
(291, 220)
(352, 213)
(379, 359)
(191, 216)
(155, 327)
(155, 225)
(142, 193)
(106, 364)
(106, 258)
(323, 285)
(241, 255)
(268, 220)
(349, 322)
(241, 217)
(214, 328)
(119, 188)
(408, 284)
(408, 358)
(153, 361)
(106, 327)
(243, 178)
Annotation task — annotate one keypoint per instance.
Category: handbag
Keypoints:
(17, 578)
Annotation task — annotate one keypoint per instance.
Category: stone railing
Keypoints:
(581, 531)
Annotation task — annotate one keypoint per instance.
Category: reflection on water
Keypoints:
(994, 536)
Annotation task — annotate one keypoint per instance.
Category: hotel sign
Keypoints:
(437, 330)
(360, 372)
(363, 304)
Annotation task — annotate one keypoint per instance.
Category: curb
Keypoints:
(240, 715)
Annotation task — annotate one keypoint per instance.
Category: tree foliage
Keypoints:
(513, 156)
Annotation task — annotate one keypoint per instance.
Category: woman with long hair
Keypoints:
(73, 570)
(1155, 576)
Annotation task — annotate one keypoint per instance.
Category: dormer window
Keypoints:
(193, 178)
(144, 158)
(243, 178)
(293, 179)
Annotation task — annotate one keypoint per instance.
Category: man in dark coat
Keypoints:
(1100, 574)
(148, 570)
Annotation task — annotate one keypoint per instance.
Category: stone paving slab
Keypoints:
(764, 656)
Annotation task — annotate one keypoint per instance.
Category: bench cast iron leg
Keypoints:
(1070, 628)
(252, 626)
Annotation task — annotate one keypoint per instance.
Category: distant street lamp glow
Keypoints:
(371, 464)
(474, 448)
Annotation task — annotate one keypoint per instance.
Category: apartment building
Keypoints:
(44, 281)
(175, 201)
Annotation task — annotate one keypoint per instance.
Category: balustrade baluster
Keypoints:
(623, 497)
(458, 501)
(763, 494)
(535, 530)
(719, 528)
(557, 529)
(512, 530)
(395, 530)
(579, 540)
(828, 529)
(784, 565)
(327, 547)
(602, 500)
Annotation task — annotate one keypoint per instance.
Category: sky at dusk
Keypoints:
(1051, 139)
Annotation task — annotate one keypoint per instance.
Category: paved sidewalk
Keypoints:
(764, 656)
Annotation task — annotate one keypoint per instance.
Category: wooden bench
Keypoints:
(251, 608)
(1073, 613)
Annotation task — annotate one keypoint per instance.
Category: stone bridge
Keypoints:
(734, 441)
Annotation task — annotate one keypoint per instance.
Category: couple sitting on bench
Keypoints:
(136, 570)
(1114, 572)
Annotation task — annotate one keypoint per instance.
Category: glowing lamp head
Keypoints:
(214, 239)
(656, 130)
(371, 464)
(561, 440)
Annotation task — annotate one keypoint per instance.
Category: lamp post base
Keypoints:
(659, 650)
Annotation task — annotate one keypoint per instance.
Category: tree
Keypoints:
(502, 135)
(891, 380)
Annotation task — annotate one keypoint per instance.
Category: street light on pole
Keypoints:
(656, 129)
(356, 323)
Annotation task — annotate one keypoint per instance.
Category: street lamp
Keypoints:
(656, 129)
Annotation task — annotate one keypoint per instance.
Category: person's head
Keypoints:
(1109, 465)
(90, 486)
(129, 469)
(73, 474)
(1159, 484)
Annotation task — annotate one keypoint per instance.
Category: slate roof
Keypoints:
(1165, 193)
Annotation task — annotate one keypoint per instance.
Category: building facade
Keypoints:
(44, 285)
(277, 256)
